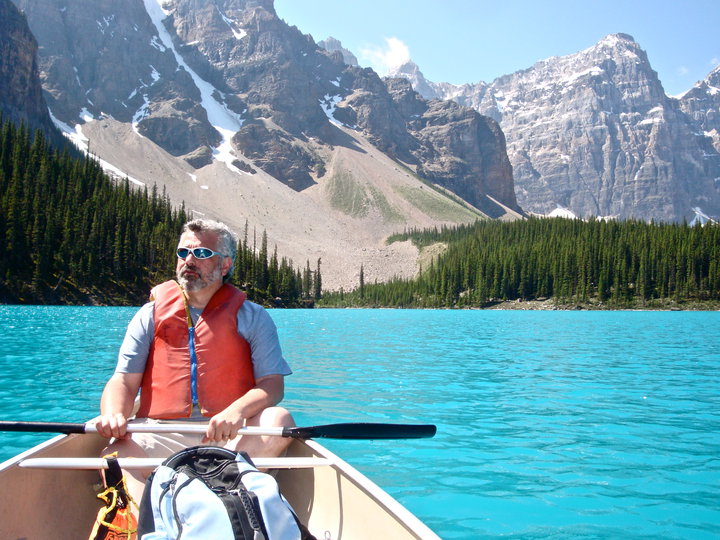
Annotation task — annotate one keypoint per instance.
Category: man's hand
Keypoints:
(224, 426)
(111, 425)
(116, 404)
(268, 391)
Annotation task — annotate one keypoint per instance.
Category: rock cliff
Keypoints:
(22, 99)
(594, 133)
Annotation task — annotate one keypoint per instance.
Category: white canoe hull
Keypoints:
(335, 501)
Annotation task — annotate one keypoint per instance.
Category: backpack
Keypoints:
(208, 492)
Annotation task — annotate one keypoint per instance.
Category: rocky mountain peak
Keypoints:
(410, 71)
(613, 73)
(334, 45)
(619, 41)
(594, 132)
(702, 104)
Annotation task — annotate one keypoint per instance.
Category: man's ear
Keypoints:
(227, 264)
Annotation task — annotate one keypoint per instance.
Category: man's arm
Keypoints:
(118, 397)
(116, 404)
(268, 391)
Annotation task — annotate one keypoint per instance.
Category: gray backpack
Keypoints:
(207, 492)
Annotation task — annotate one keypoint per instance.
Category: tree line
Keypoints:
(613, 263)
(71, 234)
(272, 280)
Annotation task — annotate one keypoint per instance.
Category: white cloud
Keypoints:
(384, 59)
(714, 62)
(682, 70)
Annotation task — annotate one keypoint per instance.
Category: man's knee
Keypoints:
(124, 448)
(273, 417)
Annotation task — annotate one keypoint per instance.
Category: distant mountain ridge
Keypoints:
(244, 118)
(595, 133)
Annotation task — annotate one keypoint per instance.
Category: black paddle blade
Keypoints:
(359, 430)
(42, 427)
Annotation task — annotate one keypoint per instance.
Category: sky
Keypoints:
(467, 41)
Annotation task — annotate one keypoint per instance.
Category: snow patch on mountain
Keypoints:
(562, 213)
(329, 104)
(701, 218)
(238, 32)
(76, 135)
(154, 42)
(225, 121)
(141, 114)
(104, 24)
(144, 110)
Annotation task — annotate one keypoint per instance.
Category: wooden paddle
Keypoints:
(350, 430)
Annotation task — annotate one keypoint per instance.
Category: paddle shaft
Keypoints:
(356, 430)
(151, 463)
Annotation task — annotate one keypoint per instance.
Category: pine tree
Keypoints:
(362, 282)
(317, 283)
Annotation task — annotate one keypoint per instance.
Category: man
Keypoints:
(199, 351)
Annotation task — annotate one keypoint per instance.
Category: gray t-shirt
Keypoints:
(253, 323)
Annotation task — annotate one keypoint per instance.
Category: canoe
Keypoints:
(334, 500)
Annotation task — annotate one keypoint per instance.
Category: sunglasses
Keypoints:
(198, 253)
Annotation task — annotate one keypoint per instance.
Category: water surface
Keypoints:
(550, 424)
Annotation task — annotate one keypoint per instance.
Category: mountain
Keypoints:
(333, 45)
(22, 99)
(702, 104)
(244, 118)
(595, 134)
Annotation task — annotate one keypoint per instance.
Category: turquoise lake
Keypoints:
(551, 424)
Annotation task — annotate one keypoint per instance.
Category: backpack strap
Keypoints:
(115, 519)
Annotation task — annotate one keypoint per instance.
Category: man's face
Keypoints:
(196, 274)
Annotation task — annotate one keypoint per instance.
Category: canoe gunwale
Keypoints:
(49, 443)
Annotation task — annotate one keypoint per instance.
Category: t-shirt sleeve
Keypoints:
(135, 347)
(258, 329)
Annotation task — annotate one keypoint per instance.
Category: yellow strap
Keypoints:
(188, 317)
(110, 498)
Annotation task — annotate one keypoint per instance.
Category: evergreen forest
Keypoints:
(69, 234)
(595, 263)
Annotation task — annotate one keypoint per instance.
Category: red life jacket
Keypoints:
(223, 367)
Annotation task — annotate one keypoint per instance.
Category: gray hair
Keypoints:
(227, 240)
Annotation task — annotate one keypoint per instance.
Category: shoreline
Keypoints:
(553, 305)
(545, 304)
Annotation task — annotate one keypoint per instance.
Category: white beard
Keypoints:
(199, 282)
